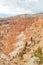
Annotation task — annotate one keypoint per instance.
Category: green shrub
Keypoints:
(38, 53)
(20, 55)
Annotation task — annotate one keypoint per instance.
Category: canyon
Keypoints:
(16, 31)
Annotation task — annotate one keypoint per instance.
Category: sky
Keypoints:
(16, 7)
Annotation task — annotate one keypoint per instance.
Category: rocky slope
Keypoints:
(20, 37)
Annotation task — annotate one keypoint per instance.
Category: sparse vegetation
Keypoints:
(34, 41)
(38, 53)
(25, 49)
(20, 55)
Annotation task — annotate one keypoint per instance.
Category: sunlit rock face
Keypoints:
(32, 61)
(18, 30)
